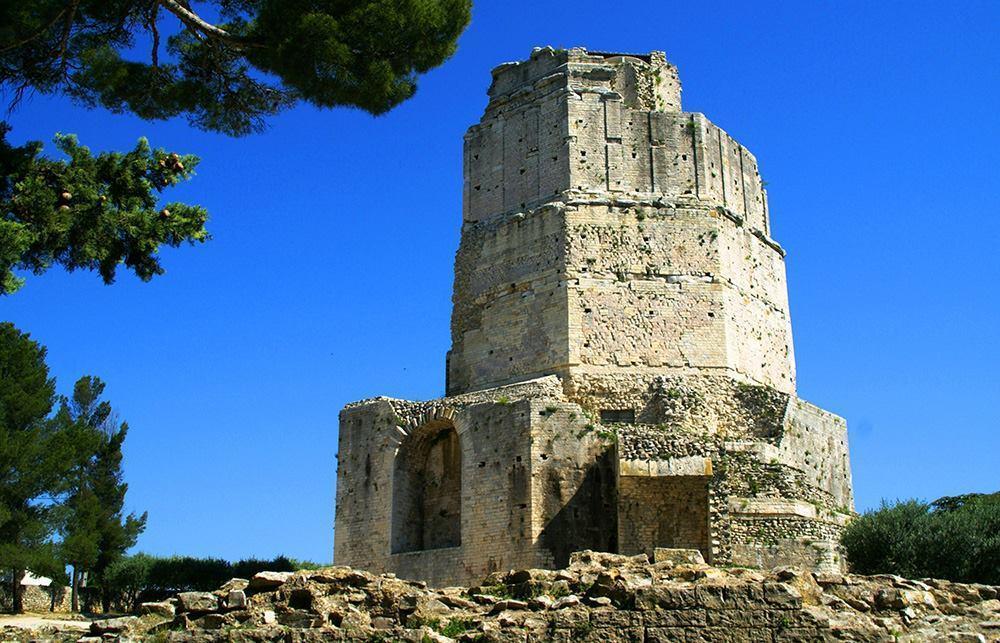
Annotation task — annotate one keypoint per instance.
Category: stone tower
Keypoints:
(621, 375)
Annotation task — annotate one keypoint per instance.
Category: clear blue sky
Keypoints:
(329, 277)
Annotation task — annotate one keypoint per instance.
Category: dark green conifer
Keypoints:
(35, 458)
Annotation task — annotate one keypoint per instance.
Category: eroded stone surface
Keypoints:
(599, 597)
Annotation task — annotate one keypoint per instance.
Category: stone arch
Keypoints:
(427, 489)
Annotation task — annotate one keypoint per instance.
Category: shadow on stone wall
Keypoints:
(588, 519)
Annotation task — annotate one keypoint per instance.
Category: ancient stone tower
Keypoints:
(621, 375)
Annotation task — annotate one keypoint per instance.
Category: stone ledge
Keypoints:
(685, 466)
(783, 508)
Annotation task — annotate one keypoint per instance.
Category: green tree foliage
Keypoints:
(59, 472)
(127, 578)
(90, 212)
(96, 531)
(232, 63)
(143, 577)
(955, 538)
(35, 457)
(226, 69)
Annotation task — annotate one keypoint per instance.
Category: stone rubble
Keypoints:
(599, 597)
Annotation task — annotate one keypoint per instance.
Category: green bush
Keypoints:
(143, 577)
(955, 538)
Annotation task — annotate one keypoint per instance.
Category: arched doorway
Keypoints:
(427, 490)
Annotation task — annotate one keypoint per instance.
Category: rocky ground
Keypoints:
(599, 597)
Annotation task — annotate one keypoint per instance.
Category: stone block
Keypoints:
(197, 602)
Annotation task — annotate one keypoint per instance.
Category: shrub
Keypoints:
(955, 538)
(458, 626)
(143, 577)
(126, 579)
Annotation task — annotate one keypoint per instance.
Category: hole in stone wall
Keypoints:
(300, 599)
(427, 490)
(617, 416)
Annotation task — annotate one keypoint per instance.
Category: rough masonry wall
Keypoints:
(508, 319)
(38, 599)
(573, 481)
(615, 148)
(767, 505)
(815, 442)
(517, 157)
(584, 174)
(663, 511)
(537, 482)
(495, 516)
(642, 295)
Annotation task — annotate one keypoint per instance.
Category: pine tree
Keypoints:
(81, 510)
(230, 74)
(96, 531)
(35, 458)
(90, 212)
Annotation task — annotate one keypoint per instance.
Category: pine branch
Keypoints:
(154, 13)
(21, 43)
(197, 23)
(64, 43)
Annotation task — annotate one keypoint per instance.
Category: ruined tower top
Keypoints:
(529, 99)
(645, 81)
(611, 238)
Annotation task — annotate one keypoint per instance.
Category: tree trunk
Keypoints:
(17, 592)
(105, 599)
(75, 584)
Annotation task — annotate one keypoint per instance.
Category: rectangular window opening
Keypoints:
(617, 416)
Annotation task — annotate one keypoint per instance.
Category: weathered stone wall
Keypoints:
(608, 232)
(599, 597)
(495, 516)
(521, 153)
(535, 484)
(508, 320)
(38, 599)
(815, 442)
(764, 510)
(663, 511)
(573, 481)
